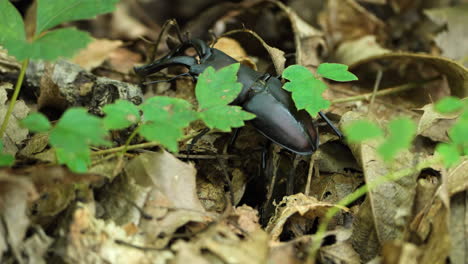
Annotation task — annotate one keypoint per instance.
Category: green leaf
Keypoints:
(36, 122)
(336, 72)
(51, 13)
(401, 133)
(72, 136)
(459, 131)
(120, 114)
(449, 153)
(361, 130)
(225, 117)
(77, 161)
(216, 88)
(164, 118)
(6, 160)
(306, 89)
(64, 42)
(11, 24)
(449, 104)
(57, 43)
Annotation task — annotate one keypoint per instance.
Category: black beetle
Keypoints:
(276, 115)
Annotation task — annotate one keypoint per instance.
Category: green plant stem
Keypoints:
(129, 139)
(136, 146)
(13, 99)
(392, 176)
(388, 91)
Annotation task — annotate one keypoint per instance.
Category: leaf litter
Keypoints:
(225, 205)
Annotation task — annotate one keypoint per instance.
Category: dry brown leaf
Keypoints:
(435, 125)
(459, 227)
(14, 133)
(308, 40)
(233, 48)
(458, 178)
(398, 252)
(246, 218)
(455, 17)
(406, 63)
(227, 246)
(345, 20)
(172, 200)
(96, 53)
(276, 55)
(305, 206)
(389, 205)
(342, 252)
(352, 51)
(432, 227)
(92, 240)
(15, 194)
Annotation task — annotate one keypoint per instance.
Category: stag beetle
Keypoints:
(276, 115)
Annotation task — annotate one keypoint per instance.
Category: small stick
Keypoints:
(388, 91)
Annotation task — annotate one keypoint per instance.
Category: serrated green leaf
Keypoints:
(336, 72)
(11, 24)
(459, 131)
(216, 88)
(78, 161)
(164, 118)
(76, 130)
(449, 104)
(401, 133)
(74, 133)
(51, 13)
(6, 160)
(166, 134)
(361, 130)
(64, 42)
(36, 122)
(120, 114)
(224, 117)
(449, 153)
(306, 89)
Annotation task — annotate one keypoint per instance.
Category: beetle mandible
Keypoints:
(262, 94)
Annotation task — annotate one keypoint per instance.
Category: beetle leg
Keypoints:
(329, 123)
(168, 80)
(195, 139)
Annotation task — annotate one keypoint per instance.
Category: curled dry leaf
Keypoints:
(456, 74)
(276, 55)
(305, 206)
(458, 178)
(435, 125)
(388, 207)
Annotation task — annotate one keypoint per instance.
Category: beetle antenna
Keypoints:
(168, 80)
